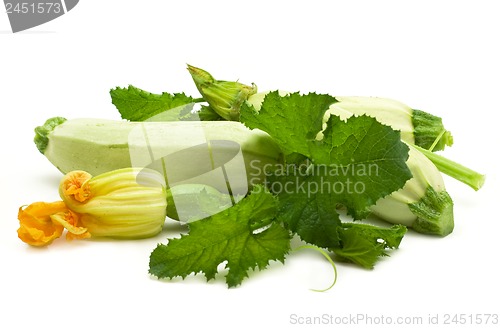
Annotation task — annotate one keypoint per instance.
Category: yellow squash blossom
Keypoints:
(125, 203)
(41, 223)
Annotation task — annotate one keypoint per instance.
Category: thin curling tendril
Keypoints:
(327, 256)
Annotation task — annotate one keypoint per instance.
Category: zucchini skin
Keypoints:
(98, 146)
(423, 203)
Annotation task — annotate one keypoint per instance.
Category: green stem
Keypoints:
(455, 170)
(42, 132)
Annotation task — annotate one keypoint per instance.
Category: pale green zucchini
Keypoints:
(185, 152)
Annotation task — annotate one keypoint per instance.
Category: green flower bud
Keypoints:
(225, 97)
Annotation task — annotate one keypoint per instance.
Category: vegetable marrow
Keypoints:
(423, 203)
(98, 146)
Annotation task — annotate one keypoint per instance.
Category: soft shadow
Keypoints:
(198, 278)
(51, 180)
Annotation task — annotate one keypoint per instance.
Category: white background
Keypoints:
(439, 56)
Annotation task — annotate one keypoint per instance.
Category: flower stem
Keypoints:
(455, 170)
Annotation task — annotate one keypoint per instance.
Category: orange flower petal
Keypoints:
(36, 226)
(74, 184)
(41, 223)
(70, 221)
(72, 236)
